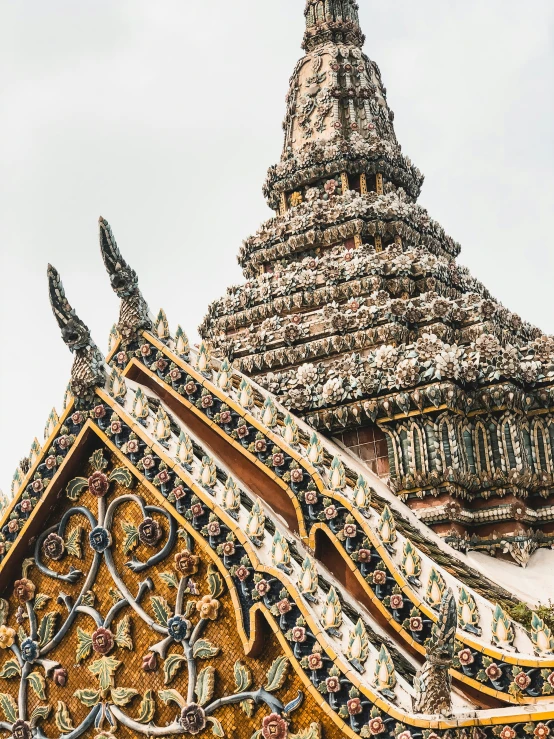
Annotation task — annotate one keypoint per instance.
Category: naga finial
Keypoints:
(134, 315)
(88, 367)
(432, 683)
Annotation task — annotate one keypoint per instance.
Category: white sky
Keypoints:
(163, 116)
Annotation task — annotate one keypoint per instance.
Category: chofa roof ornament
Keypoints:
(432, 683)
(88, 367)
(134, 314)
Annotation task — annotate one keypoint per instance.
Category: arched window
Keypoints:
(543, 453)
(446, 448)
(481, 447)
(529, 450)
(468, 446)
(509, 446)
(405, 447)
(495, 446)
(417, 455)
(432, 447)
(392, 455)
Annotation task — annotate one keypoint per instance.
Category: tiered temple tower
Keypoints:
(358, 317)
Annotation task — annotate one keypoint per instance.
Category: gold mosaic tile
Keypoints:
(222, 632)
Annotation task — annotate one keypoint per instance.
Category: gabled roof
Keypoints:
(365, 578)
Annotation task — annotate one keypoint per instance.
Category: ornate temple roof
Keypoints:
(289, 527)
(184, 555)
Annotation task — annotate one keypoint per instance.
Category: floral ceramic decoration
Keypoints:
(387, 528)
(161, 326)
(361, 495)
(162, 427)
(51, 423)
(331, 616)
(245, 395)
(140, 409)
(231, 498)
(99, 481)
(436, 586)
(207, 474)
(290, 430)
(468, 613)
(185, 451)
(181, 344)
(411, 563)
(203, 359)
(314, 451)
(269, 413)
(280, 553)
(224, 377)
(34, 452)
(117, 387)
(256, 523)
(503, 633)
(67, 398)
(385, 676)
(17, 482)
(358, 646)
(113, 338)
(541, 634)
(337, 475)
(308, 582)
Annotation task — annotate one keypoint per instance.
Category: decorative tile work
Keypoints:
(139, 457)
(355, 312)
(93, 627)
(418, 628)
(154, 591)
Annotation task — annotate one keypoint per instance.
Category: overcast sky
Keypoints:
(163, 116)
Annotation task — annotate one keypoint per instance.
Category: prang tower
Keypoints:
(358, 317)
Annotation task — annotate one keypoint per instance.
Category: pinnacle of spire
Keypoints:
(134, 314)
(336, 91)
(335, 21)
(338, 121)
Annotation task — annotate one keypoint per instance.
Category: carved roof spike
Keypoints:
(441, 646)
(432, 683)
(88, 367)
(134, 314)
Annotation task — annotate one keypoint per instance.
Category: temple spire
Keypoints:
(332, 21)
(337, 114)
